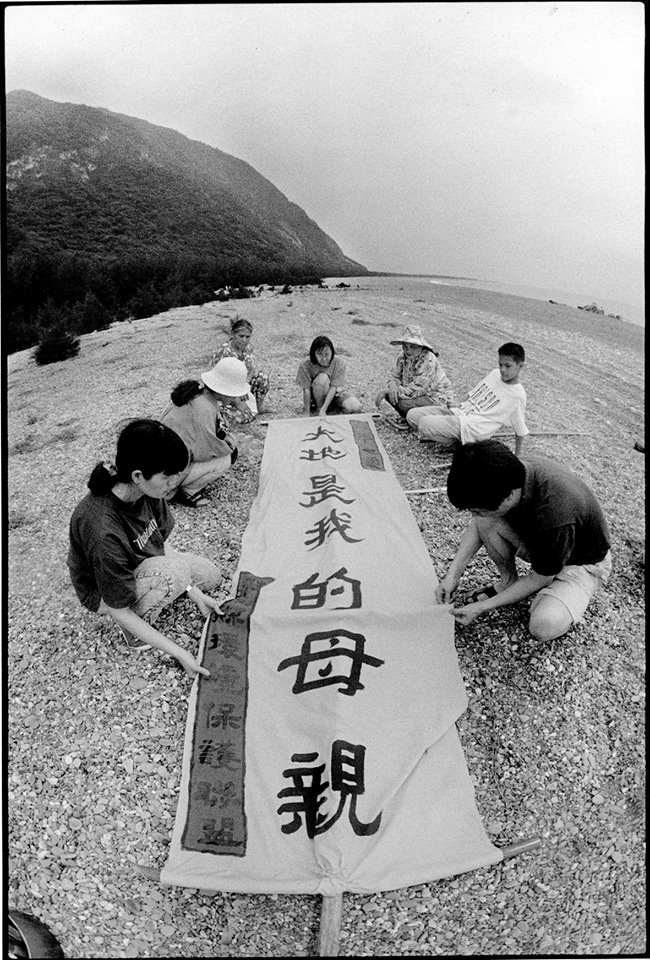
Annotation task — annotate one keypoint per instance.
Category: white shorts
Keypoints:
(574, 586)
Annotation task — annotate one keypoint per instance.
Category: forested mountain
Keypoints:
(110, 215)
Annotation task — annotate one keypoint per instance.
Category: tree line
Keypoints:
(50, 292)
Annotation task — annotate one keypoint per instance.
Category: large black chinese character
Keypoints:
(325, 488)
(306, 794)
(327, 526)
(308, 789)
(323, 432)
(322, 454)
(324, 648)
(311, 594)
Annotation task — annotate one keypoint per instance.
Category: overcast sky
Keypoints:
(502, 141)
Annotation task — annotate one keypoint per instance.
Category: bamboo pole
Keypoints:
(546, 433)
(523, 846)
(427, 490)
(330, 926)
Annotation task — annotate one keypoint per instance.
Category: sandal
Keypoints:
(397, 423)
(185, 500)
(480, 593)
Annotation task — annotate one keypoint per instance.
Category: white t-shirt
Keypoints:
(490, 405)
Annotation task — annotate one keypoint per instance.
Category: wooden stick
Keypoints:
(265, 423)
(497, 436)
(330, 926)
(523, 846)
(546, 433)
(427, 490)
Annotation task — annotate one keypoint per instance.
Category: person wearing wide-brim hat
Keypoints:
(196, 415)
(419, 379)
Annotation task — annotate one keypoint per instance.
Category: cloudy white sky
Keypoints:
(502, 141)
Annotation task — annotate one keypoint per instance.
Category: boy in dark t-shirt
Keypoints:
(536, 510)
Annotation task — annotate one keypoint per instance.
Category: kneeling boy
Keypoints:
(540, 512)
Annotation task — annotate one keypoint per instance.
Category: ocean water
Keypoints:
(629, 312)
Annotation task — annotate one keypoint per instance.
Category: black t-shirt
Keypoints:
(108, 540)
(558, 518)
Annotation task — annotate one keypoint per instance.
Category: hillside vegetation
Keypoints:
(139, 217)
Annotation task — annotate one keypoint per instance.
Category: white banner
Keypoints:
(321, 755)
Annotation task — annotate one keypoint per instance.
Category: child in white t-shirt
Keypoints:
(498, 400)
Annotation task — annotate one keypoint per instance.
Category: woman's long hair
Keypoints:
(145, 445)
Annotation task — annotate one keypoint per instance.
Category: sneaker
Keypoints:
(132, 642)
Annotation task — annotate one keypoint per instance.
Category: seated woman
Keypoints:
(322, 378)
(239, 346)
(418, 381)
(119, 560)
(196, 416)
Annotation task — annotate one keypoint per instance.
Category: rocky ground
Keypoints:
(554, 734)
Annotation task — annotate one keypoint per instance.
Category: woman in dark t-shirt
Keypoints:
(119, 560)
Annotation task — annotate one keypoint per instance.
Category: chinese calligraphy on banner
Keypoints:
(321, 755)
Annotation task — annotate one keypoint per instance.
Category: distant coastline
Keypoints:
(628, 312)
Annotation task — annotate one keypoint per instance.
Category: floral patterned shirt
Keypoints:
(422, 376)
(228, 349)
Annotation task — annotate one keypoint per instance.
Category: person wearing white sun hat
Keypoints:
(197, 417)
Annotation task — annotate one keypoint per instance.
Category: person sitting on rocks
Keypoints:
(419, 379)
(537, 511)
(239, 346)
(196, 415)
(119, 559)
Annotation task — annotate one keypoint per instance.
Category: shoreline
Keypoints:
(623, 311)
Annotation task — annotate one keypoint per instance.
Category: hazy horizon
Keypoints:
(496, 141)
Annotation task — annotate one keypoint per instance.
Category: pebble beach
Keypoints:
(553, 735)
